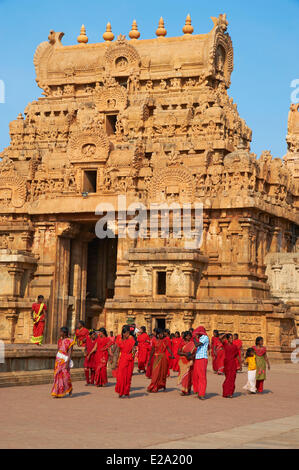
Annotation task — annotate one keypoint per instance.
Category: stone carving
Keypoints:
(152, 120)
(12, 185)
(121, 57)
(111, 97)
(88, 146)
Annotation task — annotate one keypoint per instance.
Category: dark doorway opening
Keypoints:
(101, 275)
(160, 323)
(90, 181)
(161, 283)
(111, 123)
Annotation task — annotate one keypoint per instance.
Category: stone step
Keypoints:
(36, 377)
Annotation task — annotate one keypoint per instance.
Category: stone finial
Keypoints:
(188, 28)
(161, 31)
(108, 35)
(134, 33)
(82, 38)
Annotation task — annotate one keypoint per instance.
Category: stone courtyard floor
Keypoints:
(97, 418)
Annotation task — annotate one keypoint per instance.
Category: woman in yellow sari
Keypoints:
(186, 361)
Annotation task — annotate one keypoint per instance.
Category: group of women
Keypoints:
(157, 354)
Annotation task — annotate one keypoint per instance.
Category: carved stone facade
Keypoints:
(151, 120)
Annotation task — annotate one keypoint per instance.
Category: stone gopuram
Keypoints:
(149, 120)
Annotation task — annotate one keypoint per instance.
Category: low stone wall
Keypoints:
(26, 364)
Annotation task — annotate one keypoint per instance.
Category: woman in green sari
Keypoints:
(261, 361)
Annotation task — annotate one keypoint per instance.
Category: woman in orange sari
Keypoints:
(101, 358)
(126, 347)
(186, 354)
(161, 362)
(62, 377)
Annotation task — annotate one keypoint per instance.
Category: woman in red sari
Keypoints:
(177, 344)
(214, 340)
(101, 357)
(161, 362)
(230, 366)
(218, 354)
(62, 377)
(186, 354)
(149, 368)
(38, 316)
(126, 348)
(261, 361)
(239, 345)
(81, 334)
(169, 354)
(89, 363)
(143, 342)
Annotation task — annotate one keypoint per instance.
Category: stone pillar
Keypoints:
(11, 318)
(16, 274)
(122, 282)
(188, 319)
(60, 292)
(148, 320)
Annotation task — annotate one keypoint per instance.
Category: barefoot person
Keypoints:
(100, 349)
(201, 342)
(149, 367)
(230, 366)
(161, 362)
(177, 344)
(186, 354)
(251, 364)
(261, 361)
(89, 363)
(143, 342)
(62, 377)
(126, 349)
(38, 315)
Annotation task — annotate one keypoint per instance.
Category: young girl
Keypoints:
(251, 363)
(261, 361)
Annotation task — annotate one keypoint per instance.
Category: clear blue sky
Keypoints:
(264, 33)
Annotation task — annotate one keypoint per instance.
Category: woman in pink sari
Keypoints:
(186, 354)
(62, 377)
(101, 358)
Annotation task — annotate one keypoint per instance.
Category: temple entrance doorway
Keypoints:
(160, 323)
(101, 274)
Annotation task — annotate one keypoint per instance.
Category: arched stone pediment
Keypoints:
(12, 186)
(121, 58)
(89, 145)
(171, 184)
